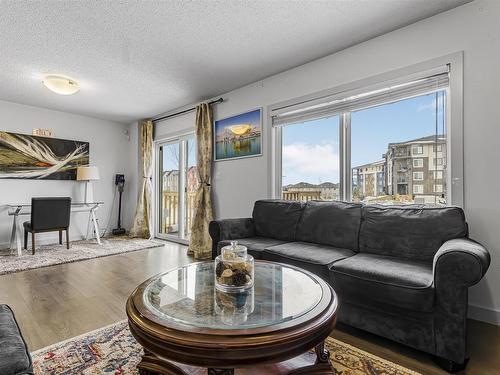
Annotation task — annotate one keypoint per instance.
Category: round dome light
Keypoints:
(61, 85)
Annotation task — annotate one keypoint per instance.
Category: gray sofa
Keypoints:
(15, 358)
(401, 272)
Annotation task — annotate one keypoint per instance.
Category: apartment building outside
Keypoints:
(412, 171)
(369, 180)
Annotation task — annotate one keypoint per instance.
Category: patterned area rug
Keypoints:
(49, 255)
(113, 350)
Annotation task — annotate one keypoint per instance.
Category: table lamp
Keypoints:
(88, 174)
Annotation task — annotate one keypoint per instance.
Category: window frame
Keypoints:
(420, 150)
(419, 173)
(436, 173)
(182, 139)
(421, 164)
(438, 162)
(453, 124)
(417, 192)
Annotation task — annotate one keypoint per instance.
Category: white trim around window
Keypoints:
(418, 163)
(418, 176)
(417, 150)
(454, 121)
(418, 189)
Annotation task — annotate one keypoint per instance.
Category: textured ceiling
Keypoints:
(136, 59)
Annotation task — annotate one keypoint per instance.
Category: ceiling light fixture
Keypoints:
(61, 85)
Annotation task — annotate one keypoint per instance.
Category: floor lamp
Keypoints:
(88, 174)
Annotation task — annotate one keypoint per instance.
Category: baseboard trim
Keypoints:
(484, 314)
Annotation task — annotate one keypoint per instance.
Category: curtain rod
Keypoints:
(220, 100)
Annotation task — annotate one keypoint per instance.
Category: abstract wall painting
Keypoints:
(32, 157)
(238, 136)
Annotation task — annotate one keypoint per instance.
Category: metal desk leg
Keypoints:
(96, 227)
(18, 236)
(89, 219)
(14, 232)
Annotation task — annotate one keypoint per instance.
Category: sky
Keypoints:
(311, 149)
(171, 155)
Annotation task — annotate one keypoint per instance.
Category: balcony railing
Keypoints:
(170, 212)
(300, 195)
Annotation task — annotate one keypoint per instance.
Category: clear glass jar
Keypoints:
(234, 269)
(234, 308)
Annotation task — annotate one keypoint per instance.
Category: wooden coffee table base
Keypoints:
(153, 365)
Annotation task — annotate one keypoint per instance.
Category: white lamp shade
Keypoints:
(87, 173)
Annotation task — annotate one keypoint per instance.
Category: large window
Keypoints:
(386, 146)
(310, 160)
(394, 144)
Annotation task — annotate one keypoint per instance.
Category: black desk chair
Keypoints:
(48, 215)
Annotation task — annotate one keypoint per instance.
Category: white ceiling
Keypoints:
(135, 59)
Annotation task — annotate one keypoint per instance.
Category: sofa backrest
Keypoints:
(330, 223)
(412, 231)
(277, 218)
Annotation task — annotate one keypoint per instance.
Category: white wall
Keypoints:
(109, 151)
(473, 28)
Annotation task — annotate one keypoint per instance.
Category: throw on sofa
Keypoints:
(401, 272)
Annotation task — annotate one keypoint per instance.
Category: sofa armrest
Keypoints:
(460, 262)
(229, 229)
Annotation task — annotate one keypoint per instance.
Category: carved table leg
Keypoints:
(220, 371)
(323, 366)
(322, 355)
(152, 365)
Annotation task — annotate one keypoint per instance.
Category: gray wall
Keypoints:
(109, 151)
(472, 28)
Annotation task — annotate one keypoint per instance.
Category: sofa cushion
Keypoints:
(414, 231)
(278, 219)
(14, 355)
(369, 278)
(330, 223)
(312, 257)
(255, 245)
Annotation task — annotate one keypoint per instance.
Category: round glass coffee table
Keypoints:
(179, 316)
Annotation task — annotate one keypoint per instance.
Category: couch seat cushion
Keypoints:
(309, 256)
(380, 279)
(255, 245)
(14, 355)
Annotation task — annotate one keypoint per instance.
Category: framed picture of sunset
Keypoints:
(238, 136)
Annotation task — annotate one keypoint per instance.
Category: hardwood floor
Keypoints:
(59, 302)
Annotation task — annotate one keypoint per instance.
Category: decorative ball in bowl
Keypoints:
(234, 269)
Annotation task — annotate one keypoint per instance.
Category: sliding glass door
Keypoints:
(176, 184)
